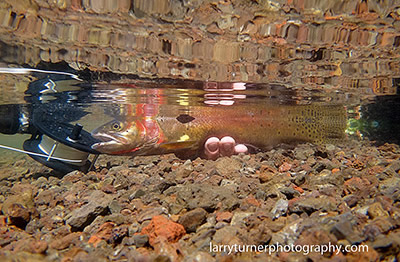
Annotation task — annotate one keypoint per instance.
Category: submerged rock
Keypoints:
(192, 219)
(97, 205)
(208, 198)
(160, 229)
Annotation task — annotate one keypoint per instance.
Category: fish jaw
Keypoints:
(110, 143)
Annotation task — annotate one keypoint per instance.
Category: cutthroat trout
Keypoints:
(261, 127)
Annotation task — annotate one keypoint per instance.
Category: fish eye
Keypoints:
(116, 126)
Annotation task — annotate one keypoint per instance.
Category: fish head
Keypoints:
(118, 137)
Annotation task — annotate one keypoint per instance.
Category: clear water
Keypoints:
(71, 99)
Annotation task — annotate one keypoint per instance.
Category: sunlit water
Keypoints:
(296, 114)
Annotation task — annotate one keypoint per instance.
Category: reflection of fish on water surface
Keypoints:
(260, 126)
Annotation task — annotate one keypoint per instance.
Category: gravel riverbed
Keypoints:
(161, 208)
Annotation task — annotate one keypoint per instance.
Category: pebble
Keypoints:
(17, 214)
(162, 228)
(376, 210)
(114, 207)
(140, 240)
(226, 235)
(191, 220)
(288, 234)
(97, 205)
(311, 204)
(103, 233)
(66, 241)
(224, 216)
(149, 213)
(239, 217)
(184, 170)
(193, 196)
(137, 194)
(280, 208)
(344, 230)
(228, 167)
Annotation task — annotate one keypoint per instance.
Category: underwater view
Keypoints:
(167, 130)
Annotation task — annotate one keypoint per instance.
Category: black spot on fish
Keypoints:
(185, 118)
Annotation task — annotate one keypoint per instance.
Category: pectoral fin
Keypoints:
(178, 145)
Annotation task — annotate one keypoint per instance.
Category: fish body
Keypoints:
(261, 127)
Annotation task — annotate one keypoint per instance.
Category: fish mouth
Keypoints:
(107, 140)
(103, 137)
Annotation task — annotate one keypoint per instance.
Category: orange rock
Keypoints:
(250, 200)
(375, 170)
(103, 233)
(335, 170)
(356, 184)
(267, 168)
(3, 221)
(66, 241)
(224, 216)
(94, 240)
(265, 176)
(298, 189)
(161, 227)
(285, 167)
(175, 218)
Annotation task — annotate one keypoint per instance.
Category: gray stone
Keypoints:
(148, 213)
(311, 204)
(117, 218)
(382, 242)
(280, 208)
(392, 168)
(221, 224)
(288, 235)
(390, 187)
(238, 218)
(344, 230)
(302, 152)
(114, 207)
(192, 219)
(184, 170)
(140, 240)
(137, 194)
(133, 228)
(330, 147)
(225, 235)
(203, 235)
(193, 196)
(97, 205)
(289, 192)
(228, 167)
